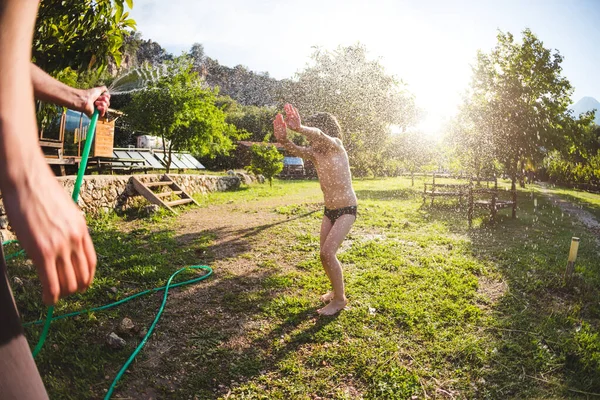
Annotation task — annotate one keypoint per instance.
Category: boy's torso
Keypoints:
(335, 178)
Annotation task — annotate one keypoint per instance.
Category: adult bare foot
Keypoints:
(327, 297)
(334, 307)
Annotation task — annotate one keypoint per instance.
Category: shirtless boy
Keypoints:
(331, 161)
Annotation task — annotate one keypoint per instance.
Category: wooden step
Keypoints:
(166, 194)
(179, 202)
(161, 183)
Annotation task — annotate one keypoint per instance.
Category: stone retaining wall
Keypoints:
(103, 193)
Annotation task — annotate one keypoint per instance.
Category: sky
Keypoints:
(428, 44)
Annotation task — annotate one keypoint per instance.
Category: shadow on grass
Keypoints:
(202, 323)
(393, 194)
(230, 242)
(545, 333)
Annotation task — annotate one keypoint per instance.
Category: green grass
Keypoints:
(437, 309)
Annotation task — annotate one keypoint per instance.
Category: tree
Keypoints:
(183, 113)
(519, 101)
(256, 121)
(358, 91)
(471, 144)
(412, 149)
(266, 161)
(197, 55)
(80, 34)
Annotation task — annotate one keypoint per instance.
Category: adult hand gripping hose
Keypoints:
(169, 285)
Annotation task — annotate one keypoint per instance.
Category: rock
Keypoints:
(17, 281)
(115, 342)
(230, 172)
(114, 290)
(3, 222)
(126, 326)
(150, 210)
(2, 210)
(142, 333)
(245, 178)
(6, 235)
(260, 179)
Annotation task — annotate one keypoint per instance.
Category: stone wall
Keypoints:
(103, 193)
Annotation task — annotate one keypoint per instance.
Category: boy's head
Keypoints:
(326, 122)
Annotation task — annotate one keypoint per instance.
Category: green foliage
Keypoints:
(181, 111)
(358, 91)
(266, 161)
(518, 103)
(80, 34)
(256, 121)
(565, 170)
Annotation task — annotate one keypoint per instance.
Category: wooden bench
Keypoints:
(489, 198)
(459, 190)
(117, 164)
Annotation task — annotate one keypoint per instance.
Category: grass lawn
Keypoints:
(436, 310)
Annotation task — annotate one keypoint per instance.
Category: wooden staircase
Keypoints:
(159, 198)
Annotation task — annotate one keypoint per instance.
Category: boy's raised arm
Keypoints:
(280, 130)
(312, 134)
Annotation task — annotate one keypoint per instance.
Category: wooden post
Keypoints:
(493, 205)
(433, 189)
(470, 211)
(571, 260)
(513, 188)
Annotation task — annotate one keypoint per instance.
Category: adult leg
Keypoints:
(331, 264)
(19, 377)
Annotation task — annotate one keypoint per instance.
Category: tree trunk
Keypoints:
(521, 169)
(513, 189)
(170, 157)
(164, 143)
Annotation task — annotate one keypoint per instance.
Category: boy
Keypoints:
(331, 161)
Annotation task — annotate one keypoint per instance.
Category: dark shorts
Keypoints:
(334, 214)
(19, 377)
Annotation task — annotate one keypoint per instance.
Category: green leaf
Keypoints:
(130, 3)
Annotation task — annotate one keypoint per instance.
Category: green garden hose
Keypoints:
(49, 317)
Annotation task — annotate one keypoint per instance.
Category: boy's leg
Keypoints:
(326, 225)
(331, 264)
(19, 377)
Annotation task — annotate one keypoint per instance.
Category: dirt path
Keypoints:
(569, 208)
(240, 232)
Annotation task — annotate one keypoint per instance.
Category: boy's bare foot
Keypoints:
(334, 307)
(327, 297)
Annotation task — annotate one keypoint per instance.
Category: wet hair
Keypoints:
(326, 122)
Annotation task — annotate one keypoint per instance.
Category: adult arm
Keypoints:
(50, 90)
(47, 222)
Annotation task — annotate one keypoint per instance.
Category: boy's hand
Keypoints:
(292, 117)
(280, 128)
